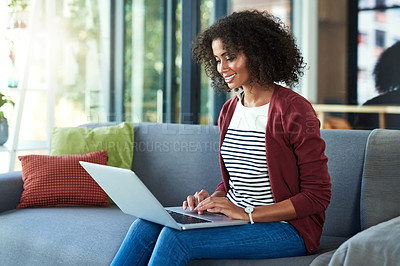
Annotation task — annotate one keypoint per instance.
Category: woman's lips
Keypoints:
(228, 79)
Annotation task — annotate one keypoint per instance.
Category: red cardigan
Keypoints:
(296, 161)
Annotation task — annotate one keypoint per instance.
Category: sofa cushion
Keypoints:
(117, 140)
(60, 180)
(66, 236)
(327, 244)
(289, 261)
(380, 197)
(345, 150)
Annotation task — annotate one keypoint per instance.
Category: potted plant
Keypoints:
(17, 9)
(3, 121)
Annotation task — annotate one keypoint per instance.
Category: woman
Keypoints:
(274, 171)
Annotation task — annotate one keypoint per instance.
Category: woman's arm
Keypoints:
(303, 129)
(281, 211)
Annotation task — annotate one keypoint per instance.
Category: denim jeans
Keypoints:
(147, 243)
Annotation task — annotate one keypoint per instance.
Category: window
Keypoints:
(208, 98)
(69, 57)
(279, 8)
(143, 61)
(153, 58)
(66, 48)
(210, 102)
(81, 60)
(378, 22)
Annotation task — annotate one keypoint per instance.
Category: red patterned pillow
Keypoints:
(60, 181)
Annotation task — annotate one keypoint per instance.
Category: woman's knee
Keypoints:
(169, 248)
(144, 225)
(169, 236)
(142, 230)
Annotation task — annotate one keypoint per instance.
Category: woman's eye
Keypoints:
(230, 59)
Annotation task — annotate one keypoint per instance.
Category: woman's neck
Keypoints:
(257, 96)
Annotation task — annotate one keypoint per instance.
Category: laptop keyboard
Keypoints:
(186, 219)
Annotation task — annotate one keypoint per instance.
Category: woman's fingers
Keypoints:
(221, 205)
(202, 195)
(192, 201)
(207, 204)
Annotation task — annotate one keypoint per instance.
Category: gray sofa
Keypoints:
(174, 161)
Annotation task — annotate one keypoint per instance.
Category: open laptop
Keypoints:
(129, 193)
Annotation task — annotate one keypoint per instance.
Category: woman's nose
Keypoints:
(223, 66)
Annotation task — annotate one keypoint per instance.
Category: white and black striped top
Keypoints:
(244, 156)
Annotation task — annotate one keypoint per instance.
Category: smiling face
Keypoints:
(232, 67)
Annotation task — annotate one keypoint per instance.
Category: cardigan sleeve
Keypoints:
(303, 128)
(226, 112)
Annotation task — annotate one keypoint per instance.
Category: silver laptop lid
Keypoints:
(129, 193)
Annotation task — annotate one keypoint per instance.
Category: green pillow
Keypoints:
(116, 140)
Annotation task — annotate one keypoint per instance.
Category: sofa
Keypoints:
(175, 160)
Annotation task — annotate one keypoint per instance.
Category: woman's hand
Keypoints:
(193, 201)
(217, 202)
(222, 205)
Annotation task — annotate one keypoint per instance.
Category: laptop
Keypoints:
(129, 193)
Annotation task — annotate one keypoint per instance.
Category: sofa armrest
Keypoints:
(11, 187)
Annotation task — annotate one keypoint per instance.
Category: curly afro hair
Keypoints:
(271, 52)
(387, 70)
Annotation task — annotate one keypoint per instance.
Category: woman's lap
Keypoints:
(250, 241)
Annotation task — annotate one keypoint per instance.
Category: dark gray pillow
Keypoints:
(377, 245)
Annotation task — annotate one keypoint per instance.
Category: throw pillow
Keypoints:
(60, 181)
(377, 245)
(116, 140)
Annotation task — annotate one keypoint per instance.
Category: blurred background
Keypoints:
(70, 62)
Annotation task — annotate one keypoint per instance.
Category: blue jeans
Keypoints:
(147, 243)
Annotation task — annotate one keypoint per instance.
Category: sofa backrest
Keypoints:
(176, 160)
(345, 150)
(380, 194)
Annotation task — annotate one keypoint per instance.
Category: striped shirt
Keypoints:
(244, 156)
